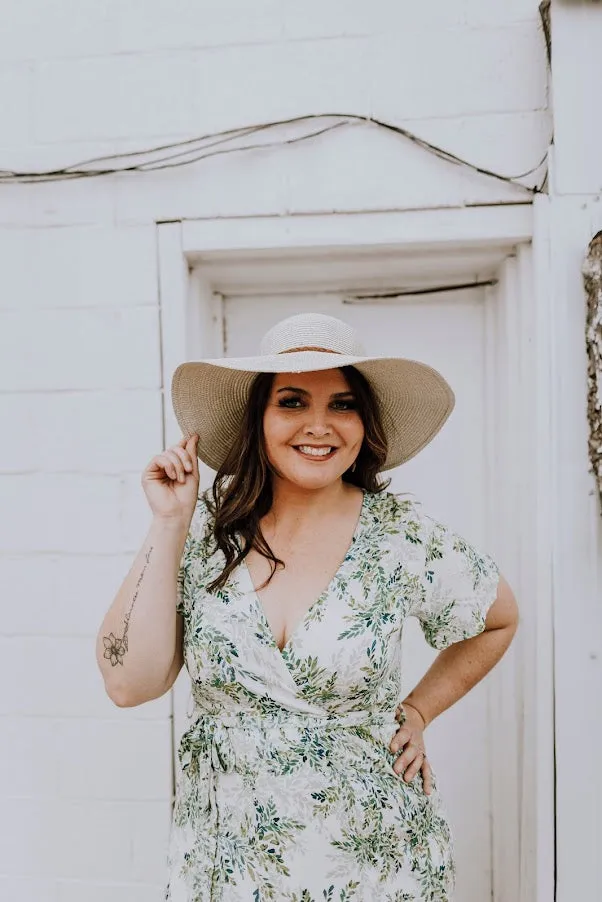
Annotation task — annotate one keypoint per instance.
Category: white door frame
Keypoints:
(520, 463)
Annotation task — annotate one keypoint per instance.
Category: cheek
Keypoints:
(275, 430)
(354, 431)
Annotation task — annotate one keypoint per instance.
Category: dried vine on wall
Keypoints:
(592, 278)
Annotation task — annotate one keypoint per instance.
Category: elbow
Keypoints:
(124, 696)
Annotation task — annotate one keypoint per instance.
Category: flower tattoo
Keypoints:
(115, 648)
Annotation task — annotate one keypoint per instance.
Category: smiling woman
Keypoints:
(285, 591)
(287, 418)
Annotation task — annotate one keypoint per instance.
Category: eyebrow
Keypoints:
(302, 391)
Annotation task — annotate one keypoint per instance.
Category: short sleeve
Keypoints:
(193, 549)
(458, 586)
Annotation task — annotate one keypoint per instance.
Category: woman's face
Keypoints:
(312, 429)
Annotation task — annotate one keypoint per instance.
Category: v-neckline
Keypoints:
(257, 603)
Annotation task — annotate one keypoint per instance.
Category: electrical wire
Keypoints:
(194, 150)
(412, 292)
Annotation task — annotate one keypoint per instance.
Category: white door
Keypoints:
(447, 332)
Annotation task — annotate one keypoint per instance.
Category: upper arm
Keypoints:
(503, 613)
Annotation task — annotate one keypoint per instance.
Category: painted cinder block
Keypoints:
(16, 84)
(60, 203)
(28, 889)
(100, 891)
(486, 69)
(78, 267)
(35, 29)
(145, 26)
(83, 29)
(368, 168)
(322, 77)
(360, 168)
(65, 682)
(84, 839)
(459, 71)
(74, 514)
(115, 96)
(59, 595)
(317, 20)
(79, 349)
(83, 758)
(81, 432)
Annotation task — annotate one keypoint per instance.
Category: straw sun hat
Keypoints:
(210, 396)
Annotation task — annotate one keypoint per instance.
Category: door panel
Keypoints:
(449, 477)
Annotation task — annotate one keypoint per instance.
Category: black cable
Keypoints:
(435, 289)
(197, 150)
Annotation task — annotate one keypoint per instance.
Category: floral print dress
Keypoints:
(285, 787)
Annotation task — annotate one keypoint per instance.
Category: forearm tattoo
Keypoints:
(115, 647)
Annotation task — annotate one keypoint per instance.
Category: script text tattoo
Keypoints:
(116, 647)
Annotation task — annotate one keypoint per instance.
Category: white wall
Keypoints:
(576, 188)
(85, 794)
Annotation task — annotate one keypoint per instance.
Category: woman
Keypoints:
(304, 775)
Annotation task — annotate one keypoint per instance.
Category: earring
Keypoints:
(353, 466)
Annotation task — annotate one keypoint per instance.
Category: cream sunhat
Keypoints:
(210, 396)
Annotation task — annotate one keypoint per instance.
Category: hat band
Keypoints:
(297, 350)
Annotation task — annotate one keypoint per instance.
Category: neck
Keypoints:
(294, 504)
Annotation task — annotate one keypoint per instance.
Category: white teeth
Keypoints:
(314, 452)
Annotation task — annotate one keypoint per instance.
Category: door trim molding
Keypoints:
(506, 224)
(515, 333)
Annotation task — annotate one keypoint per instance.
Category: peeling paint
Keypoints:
(592, 278)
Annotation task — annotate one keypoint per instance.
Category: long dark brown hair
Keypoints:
(242, 492)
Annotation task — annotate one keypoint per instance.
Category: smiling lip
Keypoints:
(315, 448)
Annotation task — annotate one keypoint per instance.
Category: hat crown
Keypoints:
(312, 330)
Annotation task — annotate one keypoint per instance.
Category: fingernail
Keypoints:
(188, 467)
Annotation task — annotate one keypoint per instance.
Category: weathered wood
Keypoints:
(592, 278)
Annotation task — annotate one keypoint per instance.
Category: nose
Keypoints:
(317, 430)
(318, 423)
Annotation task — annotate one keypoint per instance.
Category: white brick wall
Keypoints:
(85, 788)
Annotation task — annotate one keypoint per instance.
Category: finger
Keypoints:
(172, 465)
(405, 759)
(400, 739)
(184, 456)
(414, 767)
(159, 468)
(191, 447)
(180, 474)
(427, 777)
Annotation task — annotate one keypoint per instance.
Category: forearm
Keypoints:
(457, 669)
(136, 643)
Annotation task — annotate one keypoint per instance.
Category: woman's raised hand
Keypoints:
(171, 482)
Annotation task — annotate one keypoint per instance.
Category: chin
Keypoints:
(310, 481)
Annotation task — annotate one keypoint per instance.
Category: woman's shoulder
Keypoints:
(400, 513)
(397, 505)
(406, 512)
(201, 524)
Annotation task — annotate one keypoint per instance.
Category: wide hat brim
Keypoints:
(210, 396)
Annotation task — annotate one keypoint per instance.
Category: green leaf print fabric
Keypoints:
(285, 787)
